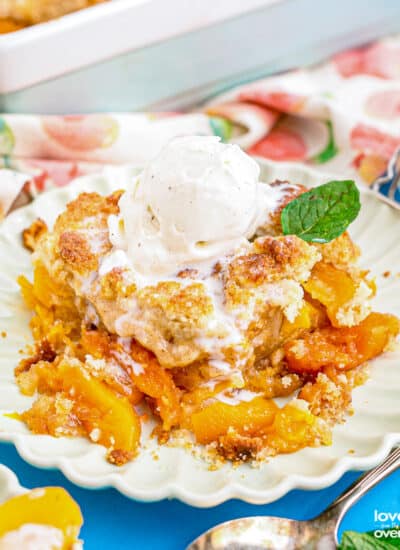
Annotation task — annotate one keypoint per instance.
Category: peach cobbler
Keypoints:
(188, 294)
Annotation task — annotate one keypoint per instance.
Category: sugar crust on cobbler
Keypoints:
(284, 297)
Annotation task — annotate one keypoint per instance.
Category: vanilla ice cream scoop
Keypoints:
(198, 199)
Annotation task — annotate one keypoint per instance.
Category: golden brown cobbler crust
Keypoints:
(32, 234)
(167, 329)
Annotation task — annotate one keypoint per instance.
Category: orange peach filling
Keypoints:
(51, 510)
(286, 317)
(77, 401)
(342, 348)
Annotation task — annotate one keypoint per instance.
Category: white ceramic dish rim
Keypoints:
(232, 490)
(130, 24)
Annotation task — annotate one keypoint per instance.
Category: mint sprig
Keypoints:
(323, 213)
(352, 540)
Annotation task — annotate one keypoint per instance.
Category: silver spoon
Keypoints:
(271, 533)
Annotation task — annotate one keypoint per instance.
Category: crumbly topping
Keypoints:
(32, 234)
(219, 341)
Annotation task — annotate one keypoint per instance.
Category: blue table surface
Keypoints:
(114, 522)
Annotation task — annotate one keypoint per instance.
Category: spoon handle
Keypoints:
(341, 505)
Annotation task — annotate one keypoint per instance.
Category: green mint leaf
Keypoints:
(363, 541)
(323, 213)
(390, 536)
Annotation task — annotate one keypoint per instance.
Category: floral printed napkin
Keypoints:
(342, 117)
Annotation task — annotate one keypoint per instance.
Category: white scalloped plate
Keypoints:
(362, 442)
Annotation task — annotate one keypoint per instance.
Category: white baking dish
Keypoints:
(138, 54)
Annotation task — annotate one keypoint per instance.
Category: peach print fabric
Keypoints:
(342, 117)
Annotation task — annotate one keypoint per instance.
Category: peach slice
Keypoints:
(331, 287)
(51, 506)
(100, 411)
(342, 348)
(247, 418)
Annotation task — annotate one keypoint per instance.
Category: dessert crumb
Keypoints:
(386, 274)
(3, 334)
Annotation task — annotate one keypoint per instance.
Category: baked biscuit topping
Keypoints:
(207, 341)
